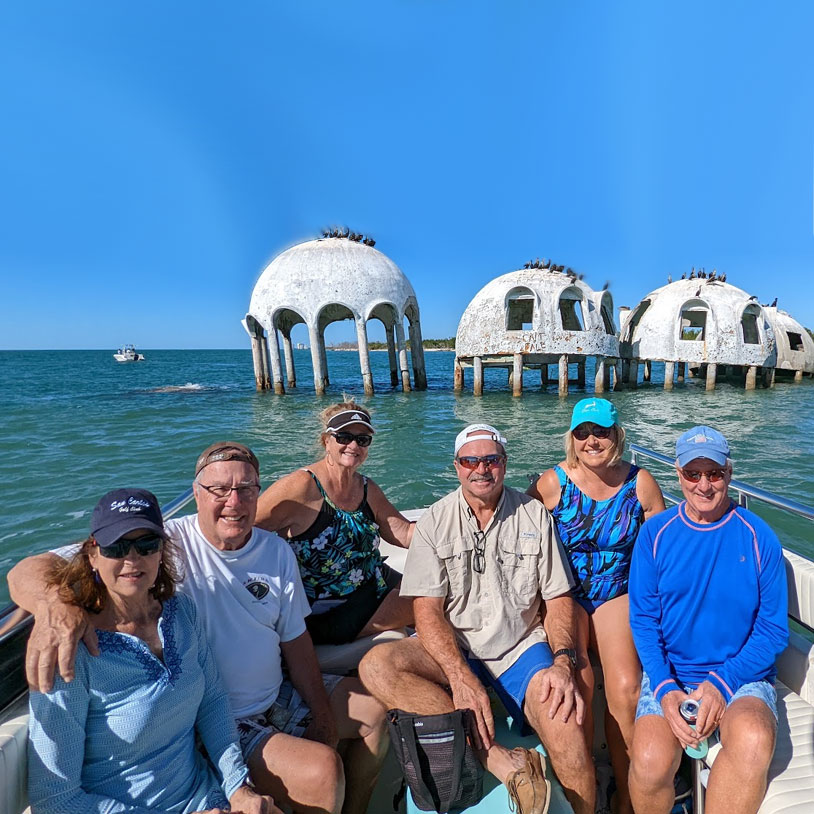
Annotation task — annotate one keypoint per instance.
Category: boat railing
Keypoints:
(744, 491)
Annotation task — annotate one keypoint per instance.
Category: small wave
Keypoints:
(77, 515)
(189, 387)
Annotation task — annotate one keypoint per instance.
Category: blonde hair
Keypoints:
(617, 450)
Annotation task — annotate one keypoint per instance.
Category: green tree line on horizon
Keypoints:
(427, 344)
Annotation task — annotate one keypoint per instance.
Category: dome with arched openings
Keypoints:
(538, 312)
(701, 321)
(339, 276)
(795, 347)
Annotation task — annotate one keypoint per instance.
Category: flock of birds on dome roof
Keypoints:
(547, 265)
(346, 234)
(701, 274)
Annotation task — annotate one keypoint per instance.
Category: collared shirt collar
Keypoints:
(470, 515)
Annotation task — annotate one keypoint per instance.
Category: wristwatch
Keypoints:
(570, 652)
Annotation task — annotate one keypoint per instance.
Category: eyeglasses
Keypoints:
(479, 561)
(221, 492)
(584, 431)
(713, 475)
(474, 461)
(144, 546)
(346, 438)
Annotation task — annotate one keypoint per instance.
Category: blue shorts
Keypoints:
(764, 690)
(511, 685)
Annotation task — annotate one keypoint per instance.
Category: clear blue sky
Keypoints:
(154, 156)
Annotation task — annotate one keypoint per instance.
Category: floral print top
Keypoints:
(339, 552)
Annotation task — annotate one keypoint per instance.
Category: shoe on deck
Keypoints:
(529, 790)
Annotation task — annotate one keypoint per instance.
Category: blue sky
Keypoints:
(155, 156)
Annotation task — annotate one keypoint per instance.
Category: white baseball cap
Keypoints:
(478, 432)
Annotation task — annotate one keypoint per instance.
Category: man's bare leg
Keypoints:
(395, 612)
(654, 758)
(303, 774)
(403, 675)
(737, 780)
(363, 741)
(566, 748)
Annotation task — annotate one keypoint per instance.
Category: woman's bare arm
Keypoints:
(394, 527)
(649, 494)
(546, 489)
(290, 505)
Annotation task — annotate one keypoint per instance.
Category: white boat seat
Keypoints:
(342, 659)
(791, 773)
(14, 758)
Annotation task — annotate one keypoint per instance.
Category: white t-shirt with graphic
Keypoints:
(250, 600)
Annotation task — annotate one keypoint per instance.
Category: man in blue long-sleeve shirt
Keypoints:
(708, 610)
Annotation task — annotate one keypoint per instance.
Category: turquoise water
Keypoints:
(74, 424)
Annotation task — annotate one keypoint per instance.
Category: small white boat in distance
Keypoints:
(128, 353)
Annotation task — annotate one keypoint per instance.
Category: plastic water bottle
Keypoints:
(689, 712)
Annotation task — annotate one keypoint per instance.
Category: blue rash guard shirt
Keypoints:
(708, 601)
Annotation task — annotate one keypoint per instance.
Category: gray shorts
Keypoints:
(764, 690)
(288, 714)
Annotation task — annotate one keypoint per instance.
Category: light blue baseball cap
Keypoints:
(594, 411)
(701, 442)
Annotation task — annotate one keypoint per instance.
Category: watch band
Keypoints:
(570, 652)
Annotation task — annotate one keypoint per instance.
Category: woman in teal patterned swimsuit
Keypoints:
(598, 502)
(332, 517)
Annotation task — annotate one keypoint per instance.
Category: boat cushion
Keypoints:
(14, 758)
(791, 773)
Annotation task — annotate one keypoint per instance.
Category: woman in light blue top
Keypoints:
(121, 736)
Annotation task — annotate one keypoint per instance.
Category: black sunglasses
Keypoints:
(584, 431)
(144, 546)
(479, 560)
(346, 438)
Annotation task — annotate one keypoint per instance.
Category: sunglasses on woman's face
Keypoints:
(584, 431)
(346, 438)
(144, 546)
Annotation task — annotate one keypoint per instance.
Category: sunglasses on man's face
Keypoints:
(584, 431)
(474, 461)
(144, 546)
(713, 475)
(346, 438)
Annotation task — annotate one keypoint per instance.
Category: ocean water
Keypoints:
(74, 424)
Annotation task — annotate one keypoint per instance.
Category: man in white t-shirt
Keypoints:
(246, 585)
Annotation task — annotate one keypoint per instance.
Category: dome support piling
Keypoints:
(288, 354)
(405, 369)
(391, 356)
(364, 356)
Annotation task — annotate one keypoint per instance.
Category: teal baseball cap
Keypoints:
(594, 411)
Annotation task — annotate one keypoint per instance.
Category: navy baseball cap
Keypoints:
(702, 442)
(124, 510)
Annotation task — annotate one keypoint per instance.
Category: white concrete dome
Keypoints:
(699, 321)
(539, 313)
(795, 348)
(329, 279)
(322, 281)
